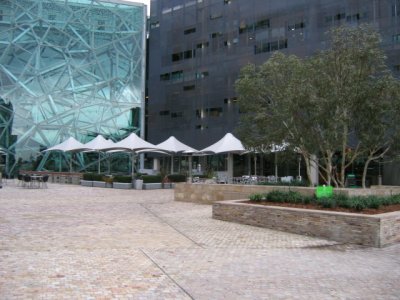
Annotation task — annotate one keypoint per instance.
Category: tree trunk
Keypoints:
(308, 168)
(364, 176)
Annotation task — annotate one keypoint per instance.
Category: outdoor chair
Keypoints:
(27, 181)
(20, 180)
(44, 180)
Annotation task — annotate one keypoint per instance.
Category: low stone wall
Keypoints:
(210, 193)
(370, 230)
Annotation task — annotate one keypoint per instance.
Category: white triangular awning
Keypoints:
(131, 143)
(228, 144)
(173, 145)
(98, 143)
(68, 145)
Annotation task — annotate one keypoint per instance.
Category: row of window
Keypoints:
(183, 55)
(200, 113)
(179, 76)
(167, 10)
(261, 24)
(270, 46)
(342, 16)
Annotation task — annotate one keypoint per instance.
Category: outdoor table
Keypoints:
(36, 179)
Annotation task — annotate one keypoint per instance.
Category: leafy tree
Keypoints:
(322, 104)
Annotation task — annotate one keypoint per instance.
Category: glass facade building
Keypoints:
(68, 68)
(197, 48)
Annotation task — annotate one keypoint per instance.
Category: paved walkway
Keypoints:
(72, 242)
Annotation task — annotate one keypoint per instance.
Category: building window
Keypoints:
(190, 30)
(296, 26)
(177, 114)
(177, 56)
(396, 68)
(164, 113)
(202, 45)
(353, 18)
(189, 54)
(189, 87)
(165, 77)
(154, 24)
(201, 75)
(214, 111)
(215, 34)
(177, 76)
(262, 24)
(1, 15)
(271, 46)
(227, 2)
(396, 38)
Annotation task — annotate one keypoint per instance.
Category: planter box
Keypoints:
(151, 186)
(99, 184)
(122, 185)
(370, 230)
(86, 183)
(168, 185)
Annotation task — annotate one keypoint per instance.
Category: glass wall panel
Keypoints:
(68, 68)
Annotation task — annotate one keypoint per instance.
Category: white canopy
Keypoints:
(99, 143)
(228, 144)
(68, 145)
(173, 145)
(131, 143)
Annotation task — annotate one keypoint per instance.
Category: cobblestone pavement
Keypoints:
(72, 242)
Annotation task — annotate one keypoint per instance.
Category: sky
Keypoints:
(147, 2)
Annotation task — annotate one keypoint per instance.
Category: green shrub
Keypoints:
(88, 176)
(151, 178)
(256, 197)
(123, 179)
(341, 200)
(97, 177)
(326, 202)
(373, 202)
(357, 203)
(294, 197)
(277, 196)
(176, 178)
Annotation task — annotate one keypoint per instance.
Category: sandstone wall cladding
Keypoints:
(210, 193)
(370, 230)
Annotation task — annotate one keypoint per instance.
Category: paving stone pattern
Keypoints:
(72, 242)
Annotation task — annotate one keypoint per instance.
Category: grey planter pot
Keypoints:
(99, 184)
(138, 184)
(86, 183)
(120, 185)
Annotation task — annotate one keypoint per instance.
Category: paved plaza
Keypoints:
(72, 242)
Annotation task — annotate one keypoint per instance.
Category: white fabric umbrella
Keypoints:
(69, 145)
(132, 144)
(173, 146)
(98, 144)
(228, 144)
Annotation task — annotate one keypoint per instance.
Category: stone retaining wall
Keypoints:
(210, 193)
(371, 230)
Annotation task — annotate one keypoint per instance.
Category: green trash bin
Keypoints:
(324, 191)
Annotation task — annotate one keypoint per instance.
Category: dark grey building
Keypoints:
(197, 48)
